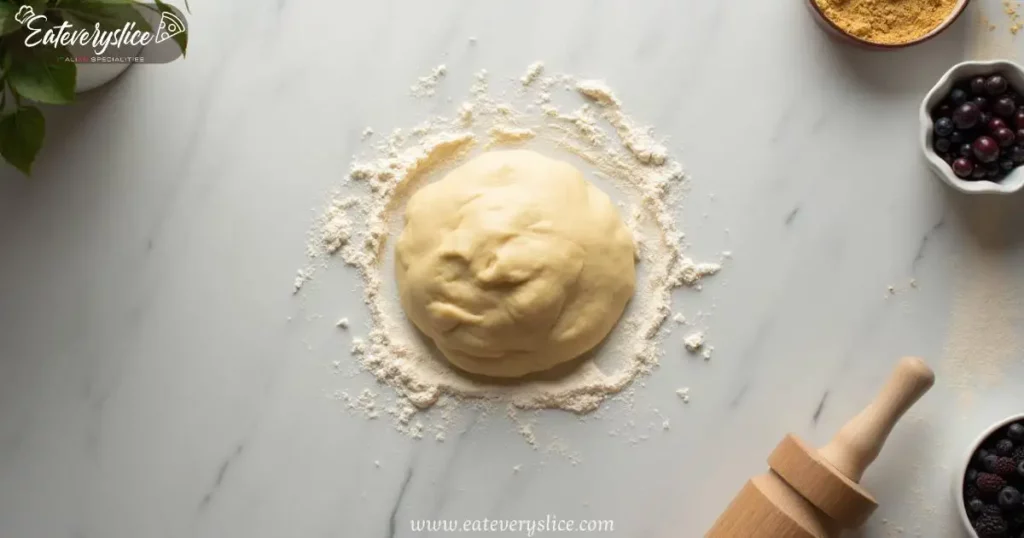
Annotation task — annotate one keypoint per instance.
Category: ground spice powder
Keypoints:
(887, 22)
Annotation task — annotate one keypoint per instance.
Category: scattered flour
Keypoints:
(684, 394)
(638, 141)
(679, 318)
(342, 323)
(466, 114)
(694, 342)
(503, 134)
(357, 230)
(427, 86)
(532, 72)
(301, 277)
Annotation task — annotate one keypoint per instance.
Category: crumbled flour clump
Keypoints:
(694, 341)
(631, 165)
(427, 86)
(532, 72)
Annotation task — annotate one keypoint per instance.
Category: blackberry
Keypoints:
(990, 484)
(1004, 467)
(1004, 447)
(1018, 454)
(989, 526)
(992, 510)
(971, 491)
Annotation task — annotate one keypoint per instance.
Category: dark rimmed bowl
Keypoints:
(833, 29)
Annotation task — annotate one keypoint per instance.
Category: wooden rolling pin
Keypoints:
(811, 493)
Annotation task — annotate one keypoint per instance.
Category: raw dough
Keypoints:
(514, 263)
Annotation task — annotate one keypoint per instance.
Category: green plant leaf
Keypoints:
(7, 22)
(21, 136)
(182, 38)
(43, 75)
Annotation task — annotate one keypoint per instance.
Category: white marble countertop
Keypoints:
(151, 384)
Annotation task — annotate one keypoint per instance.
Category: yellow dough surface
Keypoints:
(514, 263)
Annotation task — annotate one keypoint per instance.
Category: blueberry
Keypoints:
(985, 118)
(1015, 432)
(945, 109)
(963, 168)
(944, 126)
(1017, 154)
(965, 150)
(995, 85)
(948, 157)
(1004, 136)
(1004, 107)
(978, 85)
(978, 173)
(1020, 469)
(1009, 498)
(943, 144)
(971, 476)
(992, 171)
(1004, 447)
(958, 96)
(975, 505)
(980, 102)
(1007, 165)
(958, 137)
(985, 149)
(981, 455)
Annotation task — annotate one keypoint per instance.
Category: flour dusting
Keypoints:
(595, 130)
(426, 86)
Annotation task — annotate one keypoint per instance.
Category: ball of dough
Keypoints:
(514, 263)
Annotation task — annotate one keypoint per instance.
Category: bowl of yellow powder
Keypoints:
(887, 23)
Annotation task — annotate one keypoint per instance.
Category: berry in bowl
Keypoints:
(972, 127)
(988, 490)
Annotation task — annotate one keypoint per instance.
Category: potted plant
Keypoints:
(44, 44)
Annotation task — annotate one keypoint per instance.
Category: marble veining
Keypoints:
(158, 378)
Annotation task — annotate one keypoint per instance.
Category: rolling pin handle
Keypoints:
(858, 443)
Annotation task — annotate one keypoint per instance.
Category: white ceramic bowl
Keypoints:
(1014, 74)
(961, 474)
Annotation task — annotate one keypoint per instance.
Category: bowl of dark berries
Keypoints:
(972, 127)
(988, 488)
